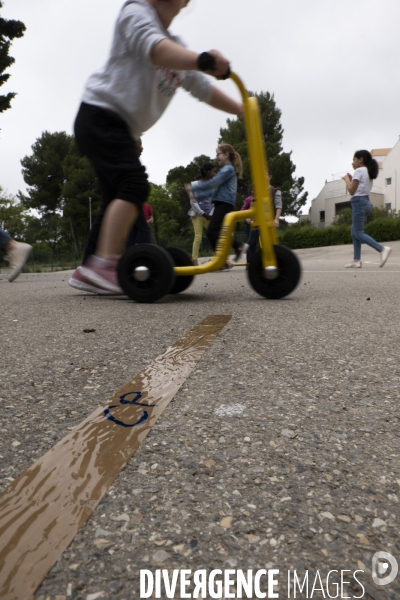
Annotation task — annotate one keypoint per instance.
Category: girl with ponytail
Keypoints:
(359, 186)
(224, 185)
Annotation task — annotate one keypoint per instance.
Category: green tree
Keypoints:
(166, 210)
(61, 182)
(81, 195)
(12, 216)
(279, 163)
(47, 229)
(43, 172)
(32, 234)
(9, 30)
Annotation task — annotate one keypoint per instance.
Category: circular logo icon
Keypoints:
(384, 568)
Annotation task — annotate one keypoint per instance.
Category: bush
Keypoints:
(300, 224)
(344, 217)
(311, 237)
(380, 213)
(384, 229)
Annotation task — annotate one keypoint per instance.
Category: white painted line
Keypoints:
(350, 271)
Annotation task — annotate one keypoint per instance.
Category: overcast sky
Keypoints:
(333, 66)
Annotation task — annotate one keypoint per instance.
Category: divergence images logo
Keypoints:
(381, 563)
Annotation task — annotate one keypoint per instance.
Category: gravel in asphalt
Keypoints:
(280, 451)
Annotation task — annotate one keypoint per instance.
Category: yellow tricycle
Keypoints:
(146, 272)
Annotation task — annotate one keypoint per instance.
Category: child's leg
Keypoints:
(140, 233)
(17, 254)
(206, 223)
(198, 232)
(105, 139)
(214, 228)
(357, 220)
(236, 245)
(101, 268)
(252, 242)
(118, 221)
(361, 207)
(107, 196)
(356, 245)
(93, 237)
(6, 241)
(247, 229)
(364, 238)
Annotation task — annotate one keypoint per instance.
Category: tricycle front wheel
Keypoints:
(289, 274)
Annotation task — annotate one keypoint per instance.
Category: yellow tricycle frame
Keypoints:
(261, 212)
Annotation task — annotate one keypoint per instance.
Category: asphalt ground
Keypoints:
(281, 450)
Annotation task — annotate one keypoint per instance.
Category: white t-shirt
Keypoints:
(129, 84)
(365, 183)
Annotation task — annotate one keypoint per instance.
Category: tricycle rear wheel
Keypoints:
(146, 273)
(181, 259)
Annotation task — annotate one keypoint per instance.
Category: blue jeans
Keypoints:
(361, 206)
(5, 239)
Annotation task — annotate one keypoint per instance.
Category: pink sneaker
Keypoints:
(79, 282)
(102, 273)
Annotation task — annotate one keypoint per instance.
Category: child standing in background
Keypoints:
(201, 209)
(253, 237)
(224, 185)
(359, 186)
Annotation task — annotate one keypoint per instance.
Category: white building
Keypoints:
(334, 197)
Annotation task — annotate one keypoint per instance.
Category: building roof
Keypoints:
(380, 151)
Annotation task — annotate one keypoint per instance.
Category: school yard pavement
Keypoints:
(280, 451)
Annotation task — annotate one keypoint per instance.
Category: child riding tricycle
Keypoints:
(146, 273)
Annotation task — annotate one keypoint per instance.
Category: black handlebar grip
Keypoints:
(227, 74)
(206, 62)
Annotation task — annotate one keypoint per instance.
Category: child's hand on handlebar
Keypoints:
(221, 67)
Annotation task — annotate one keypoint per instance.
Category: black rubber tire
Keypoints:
(162, 276)
(287, 280)
(181, 259)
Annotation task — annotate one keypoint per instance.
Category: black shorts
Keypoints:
(104, 138)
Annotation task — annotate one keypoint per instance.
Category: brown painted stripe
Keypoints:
(42, 510)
